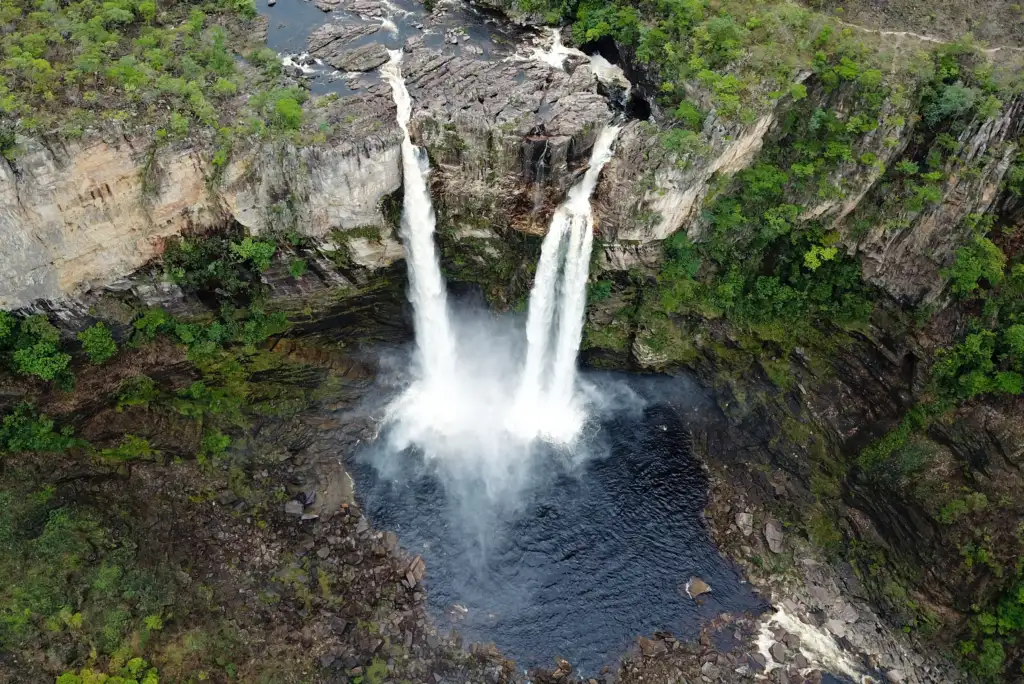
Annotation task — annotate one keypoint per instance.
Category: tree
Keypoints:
(98, 343)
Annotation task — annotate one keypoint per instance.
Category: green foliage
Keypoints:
(31, 346)
(258, 252)
(98, 343)
(60, 57)
(224, 265)
(599, 291)
(297, 268)
(131, 448)
(980, 260)
(23, 429)
(135, 671)
(68, 579)
(281, 107)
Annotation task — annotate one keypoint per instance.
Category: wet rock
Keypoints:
(779, 652)
(271, 3)
(327, 5)
(837, 627)
(696, 586)
(414, 573)
(360, 59)
(745, 521)
(293, 507)
(756, 661)
(709, 670)
(652, 647)
(800, 660)
(791, 640)
(413, 43)
(773, 535)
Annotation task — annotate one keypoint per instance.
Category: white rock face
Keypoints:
(78, 216)
(328, 188)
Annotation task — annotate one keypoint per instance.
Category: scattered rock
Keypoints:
(696, 586)
(745, 521)
(837, 627)
(323, 552)
(709, 670)
(895, 677)
(778, 652)
(773, 535)
(848, 613)
(226, 497)
(327, 5)
(652, 647)
(293, 507)
(757, 661)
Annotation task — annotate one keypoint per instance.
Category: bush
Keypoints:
(25, 430)
(98, 343)
(297, 268)
(980, 260)
(258, 252)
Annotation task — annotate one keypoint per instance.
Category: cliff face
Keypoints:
(505, 139)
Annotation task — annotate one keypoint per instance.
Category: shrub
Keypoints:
(98, 343)
(25, 430)
(980, 260)
(131, 448)
(953, 101)
(297, 268)
(258, 252)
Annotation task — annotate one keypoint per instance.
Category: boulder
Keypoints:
(696, 586)
(745, 521)
(773, 535)
(363, 58)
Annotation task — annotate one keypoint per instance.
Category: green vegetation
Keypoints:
(70, 580)
(72, 65)
(31, 346)
(223, 265)
(22, 429)
(135, 671)
(98, 343)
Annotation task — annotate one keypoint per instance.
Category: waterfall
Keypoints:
(459, 407)
(545, 402)
(434, 340)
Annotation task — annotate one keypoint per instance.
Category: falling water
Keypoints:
(560, 288)
(427, 293)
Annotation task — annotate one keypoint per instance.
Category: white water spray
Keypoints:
(545, 404)
(427, 289)
(462, 411)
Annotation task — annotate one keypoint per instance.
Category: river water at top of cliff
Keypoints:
(591, 549)
(478, 33)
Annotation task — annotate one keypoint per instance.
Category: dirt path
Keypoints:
(922, 37)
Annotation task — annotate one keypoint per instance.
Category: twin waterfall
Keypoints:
(447, 401)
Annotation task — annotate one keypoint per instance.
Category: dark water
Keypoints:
(593, 555)
(482, 35)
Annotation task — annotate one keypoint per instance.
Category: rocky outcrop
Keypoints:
(87, 213)
(907, 261)
(506, 138)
